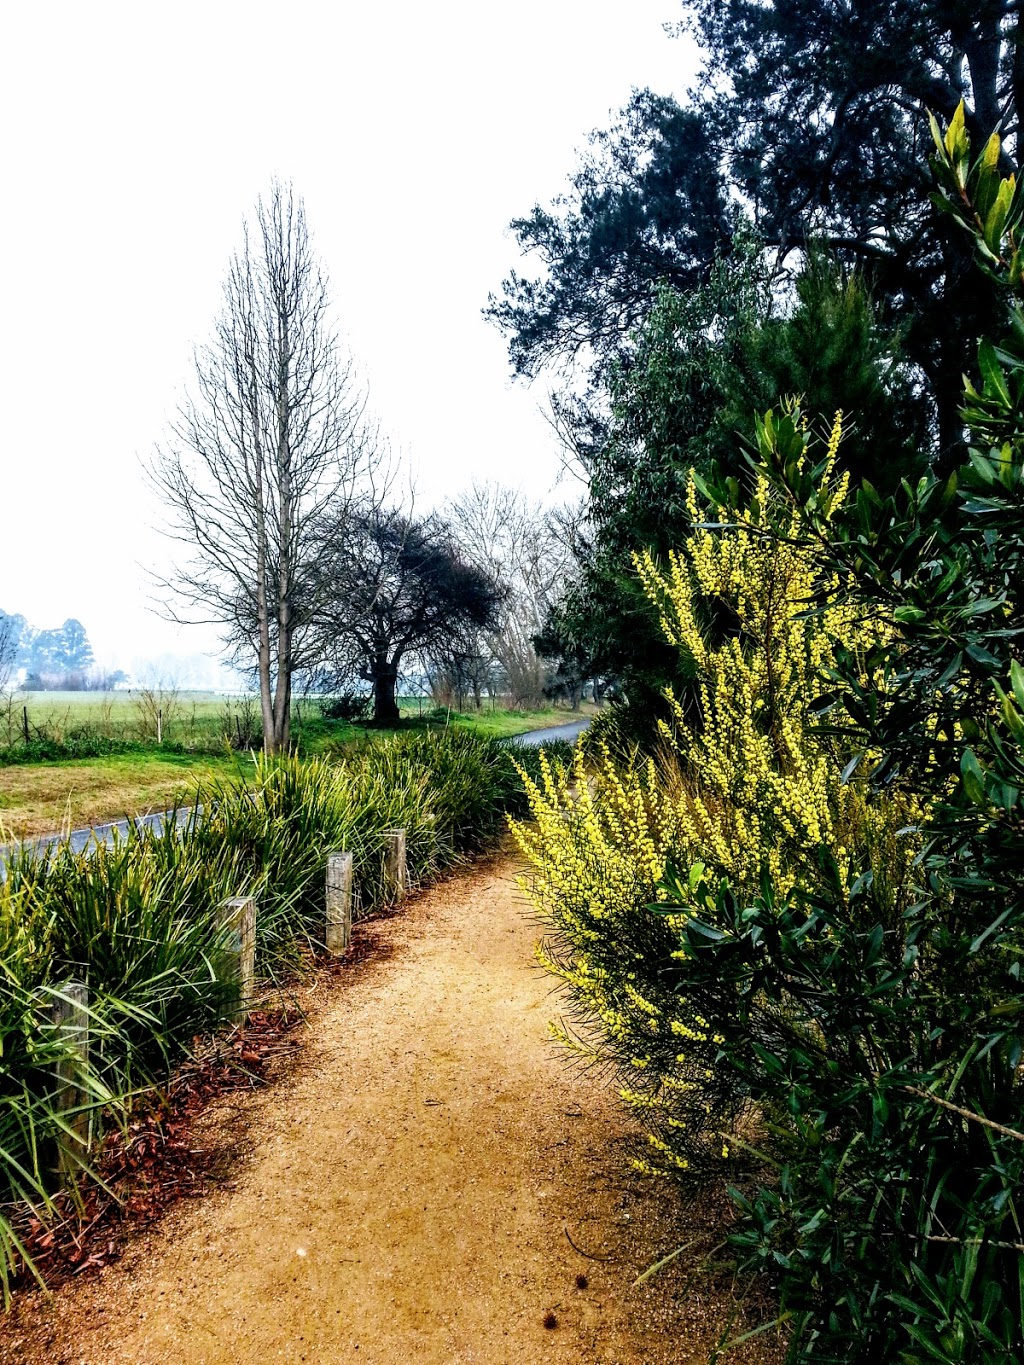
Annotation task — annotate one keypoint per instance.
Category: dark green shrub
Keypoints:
(347, 706)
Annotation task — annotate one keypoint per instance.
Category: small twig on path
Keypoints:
(590, 1256)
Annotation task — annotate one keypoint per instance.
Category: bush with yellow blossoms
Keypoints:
(878, 1043)
(746, 787)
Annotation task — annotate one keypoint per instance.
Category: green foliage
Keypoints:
(704, 363)
(890, 1217)
(42, 749)
(876, 1042)
(647, 206)
(743, 788)
(832, 352)
(348, 706)
(813, 113)
(893, 1216)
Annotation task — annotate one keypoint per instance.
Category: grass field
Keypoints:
(119, 707)
(44, 797)
(41, 798)
(191, 719)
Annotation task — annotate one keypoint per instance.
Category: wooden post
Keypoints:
(339, 902)
(70, 1015)
(159, 725)
(395, 872)
(238, 916)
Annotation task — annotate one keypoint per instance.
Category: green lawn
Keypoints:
(39, 798)
(189, 718)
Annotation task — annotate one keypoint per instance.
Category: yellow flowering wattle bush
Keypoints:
(745, 787)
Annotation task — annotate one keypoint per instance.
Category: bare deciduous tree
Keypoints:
(519, 545)
(8, 648)
(271, 434)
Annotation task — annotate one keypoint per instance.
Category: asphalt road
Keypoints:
(80, 839)
(569, 732)
(104, 834)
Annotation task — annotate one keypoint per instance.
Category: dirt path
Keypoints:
(406, 1190)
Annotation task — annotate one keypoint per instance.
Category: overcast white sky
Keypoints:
(135, 138)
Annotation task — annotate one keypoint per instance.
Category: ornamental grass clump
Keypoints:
(137, 921)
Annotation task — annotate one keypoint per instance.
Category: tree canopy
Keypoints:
(52, 654)
(811, 119)
(391, 586)
(648, 204)
(704, 364)
(271, 434)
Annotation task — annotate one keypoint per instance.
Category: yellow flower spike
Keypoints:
(740, 785)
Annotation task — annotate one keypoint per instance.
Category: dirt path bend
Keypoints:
(407, 1188)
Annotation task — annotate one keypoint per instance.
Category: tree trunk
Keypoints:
(982, 49)
(952, 450)
(283, 682)
(1018, 83)
(385, 684)
(263, 626)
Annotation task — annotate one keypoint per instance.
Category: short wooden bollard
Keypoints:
(395, 874)
(238, 916)
(70, 1016)
(339, 902)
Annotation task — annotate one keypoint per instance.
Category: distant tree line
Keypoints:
(47, 660)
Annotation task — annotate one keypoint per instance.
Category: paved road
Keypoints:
(569, 732)
(104, 834)
(80, 839)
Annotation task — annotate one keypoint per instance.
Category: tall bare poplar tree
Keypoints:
(271, 433)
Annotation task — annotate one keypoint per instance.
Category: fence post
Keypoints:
(395, 872)
(70, 1014)
(238, 916)
(339, 902)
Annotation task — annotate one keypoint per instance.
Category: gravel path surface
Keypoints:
(403, 1193)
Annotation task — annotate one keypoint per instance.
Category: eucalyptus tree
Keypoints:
(271, 433)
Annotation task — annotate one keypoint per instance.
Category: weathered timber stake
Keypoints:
(339, 902)
(70, 1014)
(238, 916)
(395, 873)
